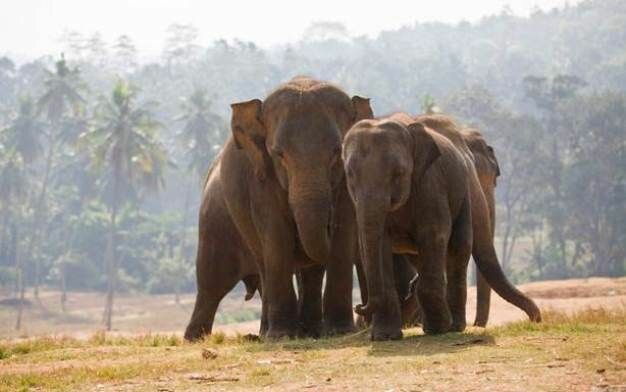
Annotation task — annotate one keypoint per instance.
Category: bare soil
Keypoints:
(140, 314)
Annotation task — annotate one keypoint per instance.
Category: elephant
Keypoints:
(414, 192)
(222, 259)
(283, 190)
(488, 170)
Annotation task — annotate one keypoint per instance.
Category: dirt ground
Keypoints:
(579, 346)
(141, 314)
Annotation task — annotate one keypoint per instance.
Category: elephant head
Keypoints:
(295, 136)
(382, 160)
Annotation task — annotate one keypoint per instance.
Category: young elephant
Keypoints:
(412, 190)
(482, 156)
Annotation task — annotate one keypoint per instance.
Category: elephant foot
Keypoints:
(280, 333)
(340, 328)
(361, 322)
(386, 333)
(310, 331)
(196, 333)
(438, 326)
(458, 326)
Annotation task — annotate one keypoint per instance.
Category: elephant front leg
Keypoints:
(279, 296)
(431, 284)
(387, 319)
(338, 314)
(310, 301)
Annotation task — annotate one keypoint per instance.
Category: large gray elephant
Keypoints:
(279, 183)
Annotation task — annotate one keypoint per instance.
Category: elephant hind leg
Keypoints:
(483, 300)
(217, 273)
(459, 251)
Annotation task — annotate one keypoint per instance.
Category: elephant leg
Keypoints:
(483, 300)
(213, 284)
(362, 321)
(310, 301)
(457, 287)
(431, 284)
(410, 306)
(459, 252)
(338, 314)
(387, 321)
(264, 322)
(279, 295)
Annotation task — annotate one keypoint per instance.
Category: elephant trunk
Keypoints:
(371, 228)
(312, 215)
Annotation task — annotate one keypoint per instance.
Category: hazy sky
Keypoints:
(33, 27)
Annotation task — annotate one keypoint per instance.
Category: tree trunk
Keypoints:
(111, 256)
(20, 284)
(39, 217)
(63, 267)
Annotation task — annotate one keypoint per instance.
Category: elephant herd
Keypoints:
(311, 184)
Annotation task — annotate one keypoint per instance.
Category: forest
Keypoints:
(103, 151)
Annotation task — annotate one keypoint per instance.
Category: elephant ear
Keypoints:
(493, 160)
(426, 148)
(249, 133)
(362, 108)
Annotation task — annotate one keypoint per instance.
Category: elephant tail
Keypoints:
(487, 262)
(486, 259)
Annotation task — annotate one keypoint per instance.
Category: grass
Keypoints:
(566, 352)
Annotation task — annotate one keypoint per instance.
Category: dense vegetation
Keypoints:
(102, 154)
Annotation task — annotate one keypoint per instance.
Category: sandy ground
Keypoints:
(141, 314)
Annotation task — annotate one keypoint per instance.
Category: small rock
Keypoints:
(600, 371)
(208, 354)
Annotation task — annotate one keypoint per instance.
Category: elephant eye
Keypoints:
(279, 153)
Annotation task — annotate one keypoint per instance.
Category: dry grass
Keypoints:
(576, 351)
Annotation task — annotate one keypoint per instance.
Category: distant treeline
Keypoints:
(102, 156)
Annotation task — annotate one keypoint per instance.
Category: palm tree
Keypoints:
(126, 151)
(61, 94)
(200, 135)
(13, 187)
(201, 131)
(25, 132)
(22, 138)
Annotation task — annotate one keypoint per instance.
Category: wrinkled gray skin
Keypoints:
(282, 183)
(483, 158)
(415, 193)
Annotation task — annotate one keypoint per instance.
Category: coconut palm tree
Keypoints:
(60, 98)
(13, 187)
(200, 137)
(129, 157)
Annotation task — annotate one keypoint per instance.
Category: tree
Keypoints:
(125, 53)
(129, 156)
(180, 43)
(13, 187)
(594, 182)
(201, 132)
(549, 95)
(26, 132)
(61, 95)
(199, 137)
